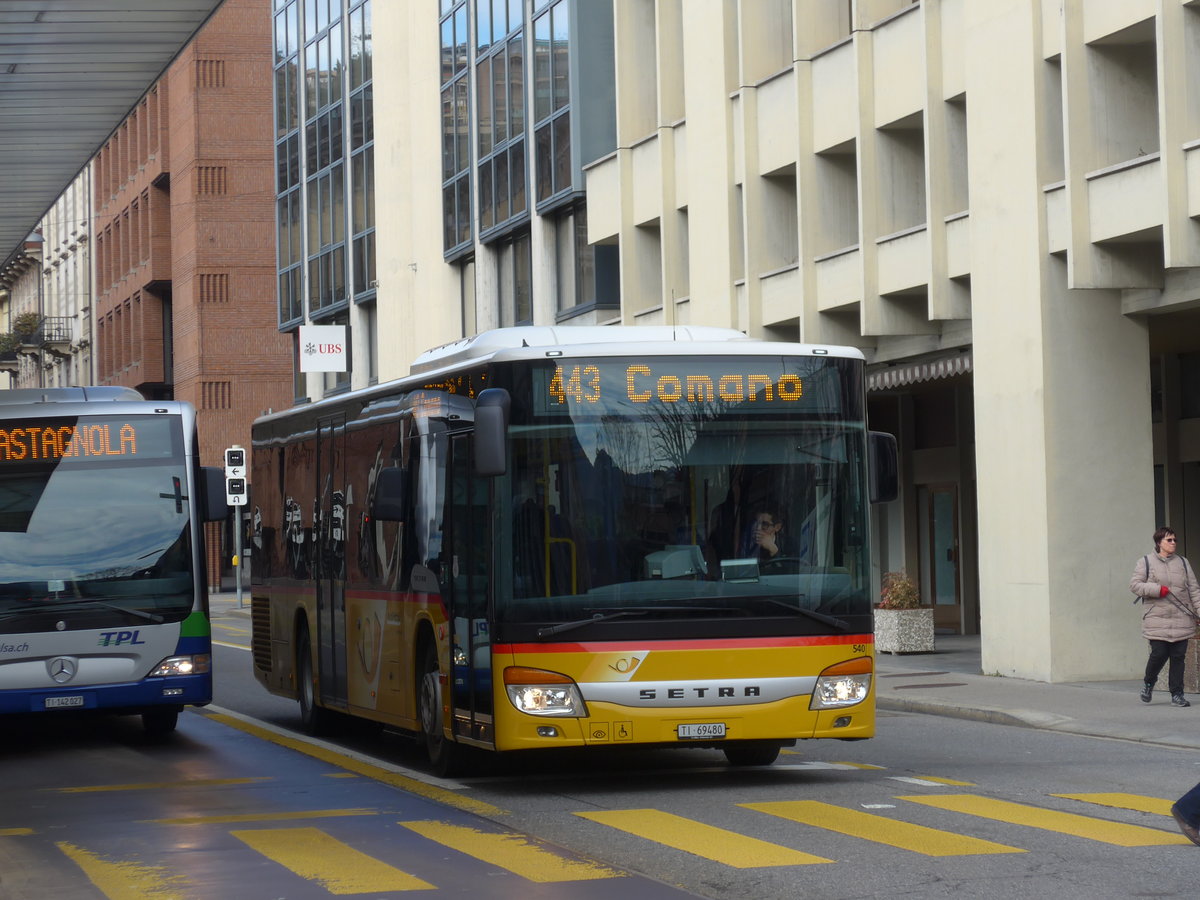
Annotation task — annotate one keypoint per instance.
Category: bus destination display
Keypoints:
(574, 387)
(91, 438)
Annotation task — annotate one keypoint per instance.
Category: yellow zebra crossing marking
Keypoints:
(123, 879)
(706, 841)
(879, 829)
(341, 869)
(1136, 802)
(15, 832)
(1116, 833)
(512, 852)
(336, 866)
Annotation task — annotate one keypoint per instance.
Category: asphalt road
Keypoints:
(931, 807)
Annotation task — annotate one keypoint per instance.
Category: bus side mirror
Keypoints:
(214, 508)
(491, 432)
(388, 505)
(884, 467)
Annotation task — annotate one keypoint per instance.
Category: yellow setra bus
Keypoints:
(571, 537)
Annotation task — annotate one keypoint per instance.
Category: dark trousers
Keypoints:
(1160, 652)
(1189, 806)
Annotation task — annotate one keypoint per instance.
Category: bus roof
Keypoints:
(604, 340)
(18, 396)
(104, 400)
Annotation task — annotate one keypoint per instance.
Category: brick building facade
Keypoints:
(185, 235)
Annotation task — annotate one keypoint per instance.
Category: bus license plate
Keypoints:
(64, 702)
(702, 731)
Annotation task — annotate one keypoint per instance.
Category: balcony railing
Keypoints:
(54, 330)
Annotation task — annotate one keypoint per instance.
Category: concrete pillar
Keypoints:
(710, 67)
(1062, 395)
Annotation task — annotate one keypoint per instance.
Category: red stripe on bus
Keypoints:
(705, 644)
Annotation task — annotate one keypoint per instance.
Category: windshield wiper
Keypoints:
(14, 611)
(831, 621)
(602, 615)
(75, 604)
(149, 616)
(547, 630)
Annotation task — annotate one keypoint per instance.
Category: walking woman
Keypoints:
(1167, 587)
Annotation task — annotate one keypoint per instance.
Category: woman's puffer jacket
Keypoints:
(1162, 619)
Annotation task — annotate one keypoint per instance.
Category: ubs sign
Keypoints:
(324, 348)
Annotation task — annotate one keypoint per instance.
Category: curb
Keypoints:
(1037, 720)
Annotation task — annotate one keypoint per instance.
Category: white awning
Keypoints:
(893, 376)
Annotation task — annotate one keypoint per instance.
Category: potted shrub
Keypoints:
(902, 624)
(26, 325)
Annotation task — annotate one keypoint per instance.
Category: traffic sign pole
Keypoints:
(235, 496)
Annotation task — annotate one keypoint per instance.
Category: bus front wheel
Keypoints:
(159, 722)
(444, 755)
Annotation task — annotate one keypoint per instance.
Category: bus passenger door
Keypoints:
(465, 588)
(329, 559)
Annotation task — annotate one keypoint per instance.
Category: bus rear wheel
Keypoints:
(444, 755)
(750, 753)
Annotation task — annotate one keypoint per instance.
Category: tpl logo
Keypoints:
(117, 638)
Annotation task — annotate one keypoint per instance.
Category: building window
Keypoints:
(340, 381)
(288, 207)
(500, 110)
(456, 128)
(586, 276)
(362, 152)
(515, 282)
(551, 99)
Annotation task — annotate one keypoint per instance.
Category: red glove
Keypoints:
(1163, 591)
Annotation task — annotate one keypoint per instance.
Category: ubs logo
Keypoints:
(62, 669)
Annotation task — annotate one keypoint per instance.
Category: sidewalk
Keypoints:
(948, 682)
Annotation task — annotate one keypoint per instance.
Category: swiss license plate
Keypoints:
(64, 702)
(700, 731)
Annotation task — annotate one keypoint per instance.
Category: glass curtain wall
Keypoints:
(324, 152)
(507, 151)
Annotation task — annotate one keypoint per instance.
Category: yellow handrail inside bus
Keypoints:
(574, 562)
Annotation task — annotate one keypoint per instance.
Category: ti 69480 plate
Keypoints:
(700, 731)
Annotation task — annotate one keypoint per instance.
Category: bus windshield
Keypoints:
(94, 531)
(722, 488)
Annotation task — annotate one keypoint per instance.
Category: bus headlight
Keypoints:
(542, 693)
(197, 664)
(844, 684)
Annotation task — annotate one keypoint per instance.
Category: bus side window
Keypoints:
(390, 495)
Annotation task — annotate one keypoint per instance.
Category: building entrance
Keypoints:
(940, 554)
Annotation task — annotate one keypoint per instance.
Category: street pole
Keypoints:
(237, 545)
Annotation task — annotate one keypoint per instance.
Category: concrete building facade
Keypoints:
(998, 202)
